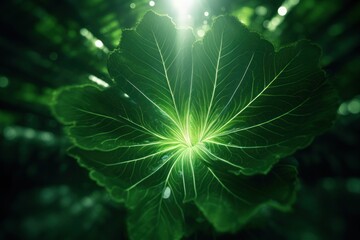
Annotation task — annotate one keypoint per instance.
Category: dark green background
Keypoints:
(43, 46)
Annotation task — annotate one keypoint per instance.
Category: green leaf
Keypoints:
(197, 122)
(157, 214)
(230, 200)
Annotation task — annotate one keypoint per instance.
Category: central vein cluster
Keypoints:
(188, 141)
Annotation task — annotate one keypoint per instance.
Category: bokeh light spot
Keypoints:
(343, 110)
(29, 133)
(354, 106)
(99, 44)
(4, 82)
(200, 33)
(353, 185)
(261, 10)
(10, 133)
(282, 11)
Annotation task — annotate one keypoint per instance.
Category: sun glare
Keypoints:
(182, 6)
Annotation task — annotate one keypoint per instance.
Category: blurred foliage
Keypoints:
(48, 44)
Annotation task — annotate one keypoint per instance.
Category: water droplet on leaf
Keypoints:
(166, 193)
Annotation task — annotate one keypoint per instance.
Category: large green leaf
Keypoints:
(197, 122)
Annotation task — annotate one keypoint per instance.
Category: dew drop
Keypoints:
(166, 193)
(165, 157)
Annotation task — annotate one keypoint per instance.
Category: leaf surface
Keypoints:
(197, 122)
